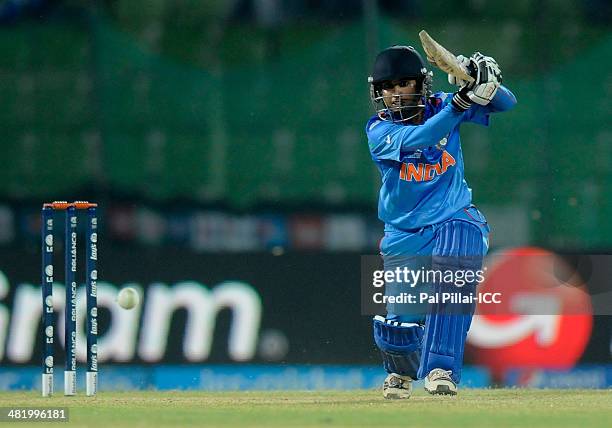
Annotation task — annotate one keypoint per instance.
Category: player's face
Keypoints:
(400, 93)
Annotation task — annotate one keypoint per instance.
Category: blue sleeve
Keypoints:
(503, 100)
(387, 140)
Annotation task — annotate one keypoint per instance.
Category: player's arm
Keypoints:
(503, 100)
(388, 141)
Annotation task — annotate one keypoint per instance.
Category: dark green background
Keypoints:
(165, 100)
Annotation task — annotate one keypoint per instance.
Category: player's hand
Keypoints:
(454, 80)
(487, 80)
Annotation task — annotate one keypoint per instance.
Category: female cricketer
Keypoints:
(426, 206)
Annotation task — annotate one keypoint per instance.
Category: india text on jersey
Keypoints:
(426, 171)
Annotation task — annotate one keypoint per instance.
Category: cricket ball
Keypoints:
(128, 297)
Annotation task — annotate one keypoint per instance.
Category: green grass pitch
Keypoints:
(495, 408)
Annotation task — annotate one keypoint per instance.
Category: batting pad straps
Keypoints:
(399, 344)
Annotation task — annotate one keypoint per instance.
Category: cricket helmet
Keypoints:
(398, 63)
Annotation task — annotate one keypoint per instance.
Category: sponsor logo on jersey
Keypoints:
(426, 171)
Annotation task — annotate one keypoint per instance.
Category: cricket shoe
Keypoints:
(439, 381)
(396, 387)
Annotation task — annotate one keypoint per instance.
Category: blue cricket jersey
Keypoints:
(421, 166)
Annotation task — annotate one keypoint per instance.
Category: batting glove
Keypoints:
(461, 100)
(454, 80)
(488, 79)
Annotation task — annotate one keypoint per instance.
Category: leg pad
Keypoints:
(399, 344)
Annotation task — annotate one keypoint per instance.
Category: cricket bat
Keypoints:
(439, 56)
